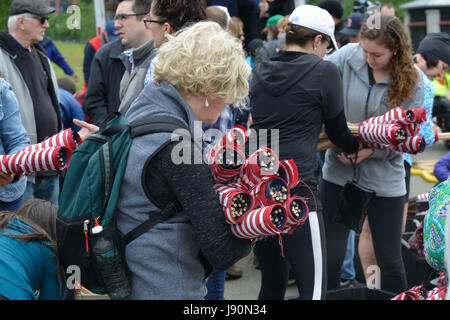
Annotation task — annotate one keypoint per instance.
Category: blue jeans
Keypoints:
(11, 206)
(348, 269)
(46, 188)
(216, 285)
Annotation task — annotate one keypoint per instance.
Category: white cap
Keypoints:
(225, 9)
(97, 229)
(314, 18)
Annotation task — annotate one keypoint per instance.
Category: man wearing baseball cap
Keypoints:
(25, 65)
(352, 30)
(271, 29)
(433, 54)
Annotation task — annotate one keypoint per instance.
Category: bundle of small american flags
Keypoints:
(396, 130)
(51, 154)
(254, 191)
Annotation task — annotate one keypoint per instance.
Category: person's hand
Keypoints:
(75, 77)
(5, 179)
(436, 129)
(363, 154)
(360, 145)
(87, 129)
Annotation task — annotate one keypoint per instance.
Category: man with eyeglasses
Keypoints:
(25, 65)
(109, 63)
(137, 37)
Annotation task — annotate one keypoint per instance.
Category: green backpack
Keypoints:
(91, 190)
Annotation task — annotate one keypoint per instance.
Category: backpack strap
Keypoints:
(153, 219)
(155, 124)
(147, 125)
(141, 127)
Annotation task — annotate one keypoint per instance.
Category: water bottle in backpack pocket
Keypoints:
(110, 267)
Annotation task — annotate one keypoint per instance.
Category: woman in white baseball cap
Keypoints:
(296, 91)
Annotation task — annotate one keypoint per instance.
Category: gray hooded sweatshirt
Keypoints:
(384, 171)
(164, 261)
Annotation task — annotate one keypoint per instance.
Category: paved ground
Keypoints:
(247, 287)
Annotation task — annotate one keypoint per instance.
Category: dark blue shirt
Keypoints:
(70, 109)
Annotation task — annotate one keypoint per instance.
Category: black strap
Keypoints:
(155, 124)
(154, 219)
(147, 125)
(355, 168)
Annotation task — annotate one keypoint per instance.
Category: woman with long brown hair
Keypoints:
(378, 75)
(29, 267)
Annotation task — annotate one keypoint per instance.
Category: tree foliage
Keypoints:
(348, 5)
(4, 13)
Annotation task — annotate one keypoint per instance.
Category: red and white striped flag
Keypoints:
(40, 160)
(262, 163)
(397, 115)
(270, 190)
(381, 133)
(297, 212)
(288, 171)
(261, 222)
(236, 201)
(66, 138)
(225, 163)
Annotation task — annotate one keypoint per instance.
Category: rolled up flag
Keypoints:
(297, 212)
(288, 172)
(40, 160)
(269, 191)
(235, 136)
(411, 129)
(261, 222)
(66, 138)
(381, 133)
(236, 202)
(262, 163)
(225, 162)
(412, 145)
(397, 115)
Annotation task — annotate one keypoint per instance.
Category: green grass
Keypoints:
(73, 53)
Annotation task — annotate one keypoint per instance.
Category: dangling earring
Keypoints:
(206, 103)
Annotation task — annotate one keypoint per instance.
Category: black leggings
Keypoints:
(304, 252)
(385, 220)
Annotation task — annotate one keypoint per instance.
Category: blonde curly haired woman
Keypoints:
(201, 69)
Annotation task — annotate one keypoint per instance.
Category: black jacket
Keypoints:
(297, 93)
(107, 70)
(8, 44)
